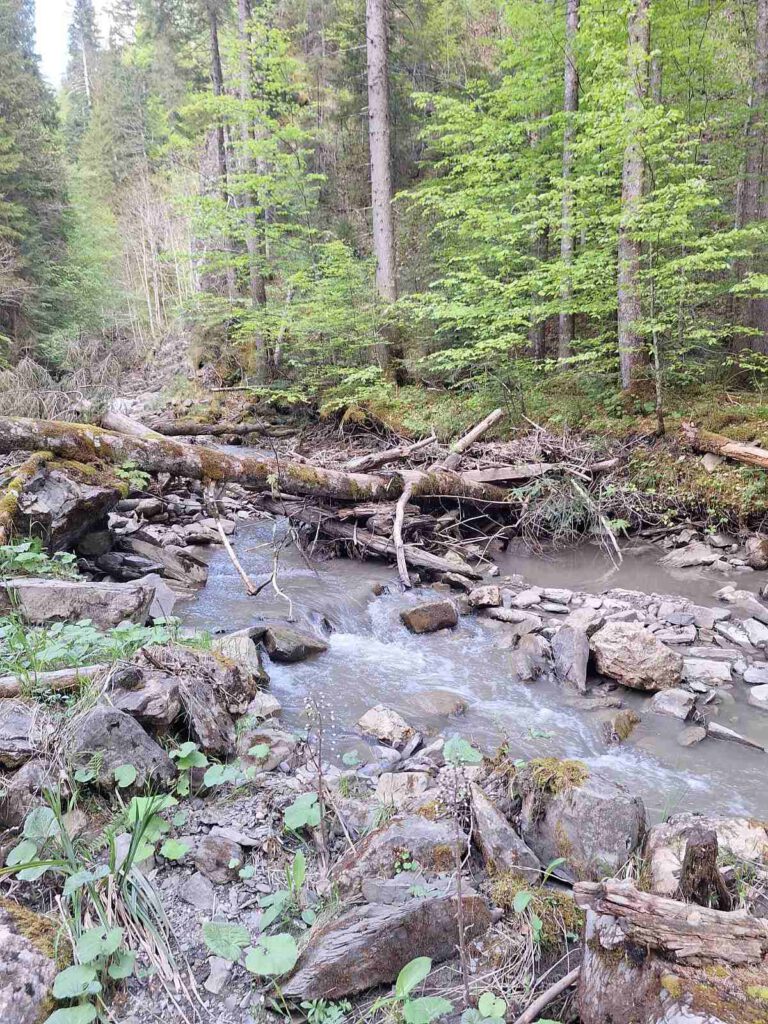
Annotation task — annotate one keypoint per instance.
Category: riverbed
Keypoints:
(373, 659)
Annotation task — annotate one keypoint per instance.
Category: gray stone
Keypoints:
(219, 971)
(399, 789)
(107, 738)
(428, 618)
(105, 604)
(263, 705)
(440, 702)
(628, 653)
(710, 673)
(691, 735)
(733, 634)
(391, 891)
(177, 563)
(198, 891)
(213, 857)
(756, 549)
(23, 790)
(527, 598)
(757, 674)
(587, 618)
(287, 645)
(245, 654)
(26, 969)
(502, 848)
(756, 631)
(281, 745)
(488, 596)
(570, 656)
(369, 945)
(23, 729)
(595, 825)
(61, 507)
(696, 553)
(758, 697)
(386, 725)
(713, 653)
(558, 594)
(155, 702)
(705, 618)
(674, 702)
(722, 732)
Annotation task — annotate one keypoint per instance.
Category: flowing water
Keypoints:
(373, 659)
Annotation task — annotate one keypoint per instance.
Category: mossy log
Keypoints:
(153, 454)
(719, 444)
(683, 932)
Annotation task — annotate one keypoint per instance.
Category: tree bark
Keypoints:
(570, 108)
(380, 153)
(700, 878)
(632, 354)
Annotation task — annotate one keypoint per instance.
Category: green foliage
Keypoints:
(225, 940)
(273, 956)
(458, 751)
(304, 812)
(27, 558)
(419, 1010)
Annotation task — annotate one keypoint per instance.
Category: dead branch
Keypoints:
(549, 996)
(365, 463)
(397, 535)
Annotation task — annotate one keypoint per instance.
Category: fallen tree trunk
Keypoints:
(191, 428)
(61, 680)
(364, 539)
(718, 444)
(684, 932)
(467, 440)
(155, 454)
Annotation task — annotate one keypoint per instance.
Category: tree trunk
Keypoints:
(570, 108)
(380, 152)
(700, 878)
(632, 354)
(718, 444)
(254, 237)
(217, 81)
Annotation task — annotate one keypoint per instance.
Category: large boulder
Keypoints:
(369, 945)
(501, 847)
(105, 738)
(105, 604)
(28, 944)
(428, 618)
(570, 655)
(61, 506)
(756, 551)
(584, 817)
(628, 653)
(288, 645)
(695, 553)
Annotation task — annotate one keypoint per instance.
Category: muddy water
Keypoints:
(373, 659)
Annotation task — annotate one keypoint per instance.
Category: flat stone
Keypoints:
(391, 891)
(488, 596)
(213, 857)
(712, 653)
(219, 971)
(263, 705)
(758, 697)
(676, 635)
(710, 673)
(386, 725)
(287, 645)
(705, 618)
(502, 848)
(628, 653)
(281, 745)
(155, 702)
(722, 732)
(757, 674)
(105, 604)
(733, 634)
(440, 702)
(198, 891)
(428, 618)
(674, 702)
(756, 631)
(23, 729)
(369, 945)
(691, 735)
(587, 618)
(399, 789)
(696, 553)
(570, 655)
(711, 462)
(557, 594)
(527, 598)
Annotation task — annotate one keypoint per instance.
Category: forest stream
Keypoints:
(373, 659)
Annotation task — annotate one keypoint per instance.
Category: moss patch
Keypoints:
(552, 775)
(556, 910)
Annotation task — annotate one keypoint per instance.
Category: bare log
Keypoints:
(61, 680)
(468, 439)
(365, 463)
(250, 587)
(510, 474)
(681, 931)
(548, 996)
(718, 444)
(397, 536)
(191, 428)
(363, 539)
(114, 419)
(155, 454)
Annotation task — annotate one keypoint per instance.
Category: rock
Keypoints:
(714, 653)
(501, 847)
(263, 705)
(177, 562)
(281, 745)
(164, 599)
(743, 839)
(758, 697)
(431, 844)
(105, 738)
(400, 889)
(705, 618)
(213, 857)
(244, 653)
(386, 725)
(105, 604)
(485, 597)
(558, 594)
(691, 735)
(401, 788)
(756, 674)
(594, 823)
(586, 618)
(94, 543)
(570, 655)
(674, 702)
(722, 732)
(155, 702)
(756, 550)
(23, 790)
(710, 673)
(27, 964)
(733, 634)
(23, 730)
(756, 631)
(620, 726)
(428, 618)
(627, 652)
(747, 605)
(696, 553)
(527, 598)
(287, 646)
(711, 462)
(369, 945)
(61, 507)
(218, 975)
(198, 891)
(440, 702)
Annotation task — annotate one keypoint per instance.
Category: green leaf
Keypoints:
(299, 869)
(84, 1013)
(122, 964)
(521, 901)
(274, 955)
(457, 751)
(84, 775)
(74, 982)
(174, 849)
(490, 1005)
(414, 972)
(41, 824)
(125, 775)
(23, 853)
(180, 819)
(98, 942)
(225, 940)
(260, 751)
(81, 878)
(426, 1009)
(308, 916)
(304, 811)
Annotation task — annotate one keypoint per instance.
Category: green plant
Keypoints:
(420, 1010)
(136, 478)
(27, 558)
(288, 904)
(187, 757)
(304, 812)
(322, 1011)
(491, 1009)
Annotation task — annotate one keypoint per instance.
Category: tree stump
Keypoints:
(700, 878)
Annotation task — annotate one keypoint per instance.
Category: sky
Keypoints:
(52, 21)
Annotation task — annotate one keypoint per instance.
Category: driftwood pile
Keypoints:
(414, 503)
